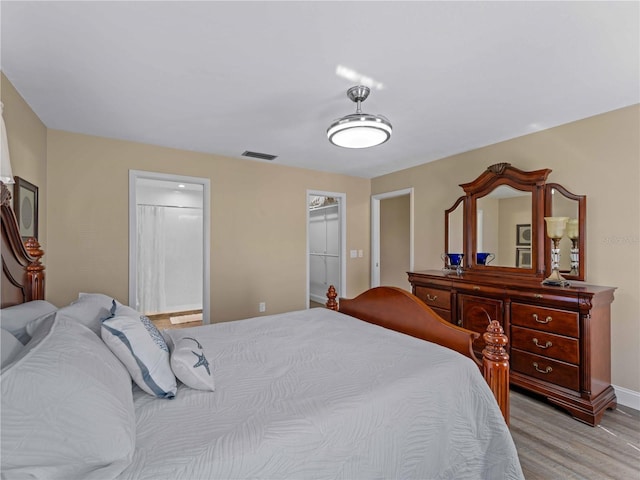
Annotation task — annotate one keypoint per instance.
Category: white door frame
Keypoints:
(375, 231)
(342, 215)
(206, 233)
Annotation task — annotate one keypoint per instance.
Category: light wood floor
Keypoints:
(162, 322)
(552, 445)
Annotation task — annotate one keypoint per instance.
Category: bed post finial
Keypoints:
(35, 269)
(495, 364)
(331, 298)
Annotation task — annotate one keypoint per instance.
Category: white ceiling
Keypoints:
(225, 77)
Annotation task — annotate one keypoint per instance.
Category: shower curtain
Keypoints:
(169, 259)
(151, 256)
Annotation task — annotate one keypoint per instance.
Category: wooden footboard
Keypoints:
(403, 312)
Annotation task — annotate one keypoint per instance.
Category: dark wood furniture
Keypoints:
(22, 272)
(560, 336)
(398, 310)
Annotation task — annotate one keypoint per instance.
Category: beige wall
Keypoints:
(258, 223)
(27, 139)
(598, 157)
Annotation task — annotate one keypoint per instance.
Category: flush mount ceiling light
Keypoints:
(359, 130)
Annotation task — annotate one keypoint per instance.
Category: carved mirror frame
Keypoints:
(581, 207)
(447, 223)
(541, 206)
(493, 177)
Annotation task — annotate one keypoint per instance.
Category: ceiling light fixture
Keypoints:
(359, 130)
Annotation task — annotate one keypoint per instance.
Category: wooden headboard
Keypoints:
(22, 272)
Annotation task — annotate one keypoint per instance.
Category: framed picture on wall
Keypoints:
(523, 257)
(25, 205)
(523, 235)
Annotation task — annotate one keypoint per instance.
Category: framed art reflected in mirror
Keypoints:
(523, 235)
(25, 205)
(523, 257)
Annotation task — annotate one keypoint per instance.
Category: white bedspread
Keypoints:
(317, 394)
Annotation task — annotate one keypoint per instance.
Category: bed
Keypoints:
(351, 391)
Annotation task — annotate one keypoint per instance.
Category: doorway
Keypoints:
(392, 252)
(169, 247)
(326, 245)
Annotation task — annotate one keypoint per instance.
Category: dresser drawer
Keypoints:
(434, 297)
(566, 349)
(547, 319)
(559, 373)
(445, 314)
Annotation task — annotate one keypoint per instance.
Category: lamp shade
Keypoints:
(572, 228)
(556, 226)
(6, 175)
(359, 130)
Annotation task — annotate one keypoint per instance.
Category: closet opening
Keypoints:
(326, 234)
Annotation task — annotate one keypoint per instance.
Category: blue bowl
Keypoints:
(484, 258)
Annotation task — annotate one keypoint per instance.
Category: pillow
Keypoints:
(89, 310)
(141, 348)
(66, 406)
(15, 318)
(10, 346)
(190, 364)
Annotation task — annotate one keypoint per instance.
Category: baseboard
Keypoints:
(627, 397)
(318, 298)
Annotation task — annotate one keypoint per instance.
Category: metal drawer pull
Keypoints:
(537, 295)
(432, 299)
(475, 287)
(546, 320)
(546, 345)
(545, 371)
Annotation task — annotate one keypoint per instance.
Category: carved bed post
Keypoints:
(331, 298)
(35, 270)
(495, 364)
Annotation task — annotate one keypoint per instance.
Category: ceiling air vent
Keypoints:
(261, 156)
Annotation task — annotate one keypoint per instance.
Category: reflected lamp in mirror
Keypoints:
(556, 227)
(573, 235)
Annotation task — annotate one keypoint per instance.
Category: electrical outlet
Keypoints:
(262, 307)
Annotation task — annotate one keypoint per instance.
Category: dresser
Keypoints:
(559, 336)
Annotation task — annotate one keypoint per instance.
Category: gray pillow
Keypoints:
(66, 406)
(89, 310)
(15, 318)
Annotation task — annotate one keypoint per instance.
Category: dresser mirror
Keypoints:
(499, 224)
(559, 202)
(503, 228)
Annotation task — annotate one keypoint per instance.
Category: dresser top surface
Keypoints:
(509, 282)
